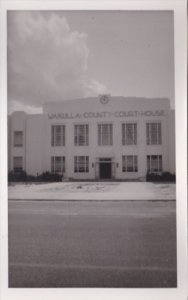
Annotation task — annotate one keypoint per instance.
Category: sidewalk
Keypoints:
(93, 191)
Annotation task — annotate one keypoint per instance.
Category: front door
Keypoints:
(105, 168)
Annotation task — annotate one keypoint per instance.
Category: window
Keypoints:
(18, 163)
(58, 135)
(18, 138)
(129, 163)
(58, 164)
(129, 134)
(154, 163)
(81, 164)
(153, 133)
(105, 134)
(81, 135)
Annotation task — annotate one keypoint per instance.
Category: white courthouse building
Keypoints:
(105, 137)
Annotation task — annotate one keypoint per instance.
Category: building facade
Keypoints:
(95, 138)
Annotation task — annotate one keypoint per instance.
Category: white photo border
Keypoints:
(180, 25)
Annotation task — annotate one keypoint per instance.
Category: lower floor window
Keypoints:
(129, 163)
(81, 164)
(58, 164)
(154, 163)
(18, 163)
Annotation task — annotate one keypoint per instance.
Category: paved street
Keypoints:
(92, 244)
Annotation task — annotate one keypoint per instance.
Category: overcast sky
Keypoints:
(56, 56)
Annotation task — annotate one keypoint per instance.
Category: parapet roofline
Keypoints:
(127, 98)
(130, 100)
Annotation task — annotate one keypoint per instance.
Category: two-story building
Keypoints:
(104, 137)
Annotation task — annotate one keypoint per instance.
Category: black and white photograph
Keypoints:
(92, 149)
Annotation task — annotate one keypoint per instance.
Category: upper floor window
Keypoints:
(154, 163)
(129, 134)
(81, 133)
(18, 163)
(129, 163)
(105, 134)
(18, 138)
(58, 164)
(81, 164)
(153, 133)
(58, 135)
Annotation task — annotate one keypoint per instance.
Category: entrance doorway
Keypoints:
(105, 168)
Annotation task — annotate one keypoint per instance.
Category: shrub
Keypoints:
(162, 177)
(22, 176)
(17, 176)
(49, 177)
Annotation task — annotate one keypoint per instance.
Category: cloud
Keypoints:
(46, 60)
(18, 106)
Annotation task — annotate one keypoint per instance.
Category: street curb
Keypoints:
(91, 200)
